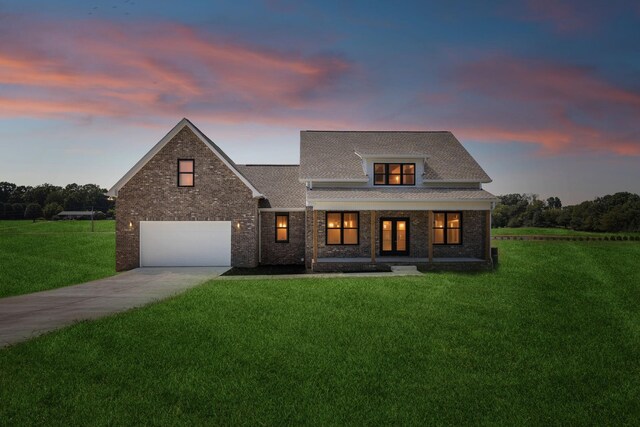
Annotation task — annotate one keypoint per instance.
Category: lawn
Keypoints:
(551, 337)
(539, 231)
(45, 255)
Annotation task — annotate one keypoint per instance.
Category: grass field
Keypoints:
(535, 231)
(551, 337)
(45, 255)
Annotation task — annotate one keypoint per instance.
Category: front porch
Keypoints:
(395, 238)
(384, 264)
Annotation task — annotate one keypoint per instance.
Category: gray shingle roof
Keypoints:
(413, 193)
(332, 154)
(278, 183)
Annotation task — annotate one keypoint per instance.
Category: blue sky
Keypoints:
(544, 94)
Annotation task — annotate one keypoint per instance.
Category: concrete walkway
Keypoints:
(25, 316)
(323, 275)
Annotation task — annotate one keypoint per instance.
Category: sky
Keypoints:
(544, 94)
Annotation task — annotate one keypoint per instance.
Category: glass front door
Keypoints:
(394, 236)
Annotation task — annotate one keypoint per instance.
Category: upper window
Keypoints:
(342, 228)
(447, 228)
(186, 172)
(394, 173)
(282, 228)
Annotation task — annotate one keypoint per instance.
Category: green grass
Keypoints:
(535, 231)
(46, 255)
(552, 337)
(8, 227)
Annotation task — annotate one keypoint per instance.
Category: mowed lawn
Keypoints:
(551, 337)
(540, 231)
(46, 255)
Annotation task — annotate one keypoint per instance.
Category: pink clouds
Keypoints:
(563, 15)
(152, 70)
(561, 108)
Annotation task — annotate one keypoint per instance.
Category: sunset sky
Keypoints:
(545, 95)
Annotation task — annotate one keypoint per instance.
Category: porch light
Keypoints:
(238, 226)
(130, 225)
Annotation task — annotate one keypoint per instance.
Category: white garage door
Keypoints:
(185, 243)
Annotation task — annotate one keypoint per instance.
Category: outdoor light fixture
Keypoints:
(238, 226)
(130, 224)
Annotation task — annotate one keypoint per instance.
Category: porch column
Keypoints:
(373, 237)
(315, 237)
(487, 244)
(430, 234)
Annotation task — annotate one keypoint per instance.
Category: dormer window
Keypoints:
(186, 172)
(394, 173)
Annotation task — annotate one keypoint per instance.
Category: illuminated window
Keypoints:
(342, 228)
(282, 228)
(186, 172)
(394, 173)
(447, 228)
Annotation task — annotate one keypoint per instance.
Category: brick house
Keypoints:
(357, 201)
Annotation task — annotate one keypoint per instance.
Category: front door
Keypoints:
(394, 234)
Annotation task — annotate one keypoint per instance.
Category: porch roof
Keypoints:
(399, 194)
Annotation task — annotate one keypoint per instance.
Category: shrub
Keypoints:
(99, 215)
(33, 211)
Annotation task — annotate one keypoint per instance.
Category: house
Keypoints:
(75, 214)
(357, 201)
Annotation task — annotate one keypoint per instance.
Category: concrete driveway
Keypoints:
(26, 316)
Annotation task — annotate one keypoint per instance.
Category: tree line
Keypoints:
(610, 213)
(46, 200)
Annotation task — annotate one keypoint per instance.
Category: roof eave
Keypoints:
(304, 180)
(392, 156)
(469, 181)
(401, 200)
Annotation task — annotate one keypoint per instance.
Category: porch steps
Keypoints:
(405, 269)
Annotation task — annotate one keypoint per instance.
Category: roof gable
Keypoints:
(338, 155)
(113, 191)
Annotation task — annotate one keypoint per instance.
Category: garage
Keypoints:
(185, 243)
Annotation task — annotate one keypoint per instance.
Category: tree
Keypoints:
(94, 196)
(6, 188)
(6, 211)
(52, 209)
(18, 210)
(73, 202)
(55, 197)
(39, 193)
(33, 211)
(17, 195)
(554, 203)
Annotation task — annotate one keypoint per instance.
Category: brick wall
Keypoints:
(291, 252)
(363, 249)
(473, 236)
(218, 195)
